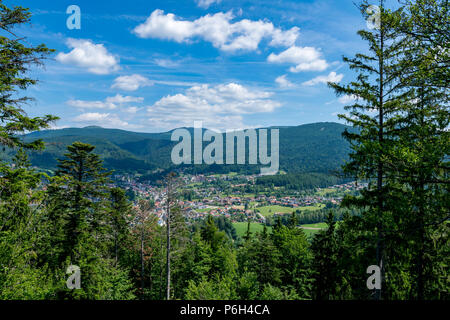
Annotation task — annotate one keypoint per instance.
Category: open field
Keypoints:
(270, 210)
(325, 191)
(241, 227)
(311, 229)
(317, 206)
(320, 225)
(204, 210)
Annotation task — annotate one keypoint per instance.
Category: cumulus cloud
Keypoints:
(131, 83)
(91, 117)
(86, 54)
(220, 106)
(217, 29)
(108, 103)
(331, 77)
(204, 4)
(304, 58)
(283, 82)
(105, 120)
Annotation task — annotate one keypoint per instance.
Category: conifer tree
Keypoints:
(80, 190)
(378, 100)
(23, 272)
(324, 264)
(77, 207)
(422, 158)
(120, 215)
(17, 56)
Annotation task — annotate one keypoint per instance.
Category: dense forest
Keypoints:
(317, 147)
(300, 181)
(398, 143)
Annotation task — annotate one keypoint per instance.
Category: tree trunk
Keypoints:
(168, 240)
(142, 263)
(379, 250)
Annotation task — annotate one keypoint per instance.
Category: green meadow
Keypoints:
(241, 227)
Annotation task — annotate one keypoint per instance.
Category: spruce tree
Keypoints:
(120, 215)
(23, 272)
(77, 208)
(17, 56)
(422, 158)
(378, 99)
(324, 264)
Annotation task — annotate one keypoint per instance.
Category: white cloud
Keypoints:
(132, 110)
(83, 104)
(217, 29)
(204, 4)
(167, 63)
(283, 82)
(220, 106)
(86, 54)
(347, 99)
(108, 103)
(305, 59)
(56, 127)
(107, 120)
(118, 98)
(331, 77)
(131, 83)
(91, 117)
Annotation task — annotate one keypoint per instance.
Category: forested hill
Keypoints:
(317, 147)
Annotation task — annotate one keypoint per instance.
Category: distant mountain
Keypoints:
(317, 147)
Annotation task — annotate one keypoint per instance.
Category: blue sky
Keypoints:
(152, 66)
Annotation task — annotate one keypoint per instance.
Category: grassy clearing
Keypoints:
(270, 210)
(249, 195)
(310, 233)
(320, 225)
(325, 191)
(241, 227)
(204, 210)
(317, 206)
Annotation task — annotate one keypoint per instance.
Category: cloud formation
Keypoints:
(131, 83)
(331, 77)
(304, 58)
(204, 4)
(220, 106)
(86, 54)
(283, 82)
(217, 29)
(109, 103)
(107, 120)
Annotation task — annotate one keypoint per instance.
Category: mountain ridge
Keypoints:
(314, 147)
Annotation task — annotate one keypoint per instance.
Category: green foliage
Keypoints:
(134, 152)
(325, 263)
(22, 275)
(274, 293)
(16, 59)
(300, 181)
(218, 289)
(261, 256)
(399, 143)
(295, 257)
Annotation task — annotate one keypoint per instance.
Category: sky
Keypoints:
(151, 66)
